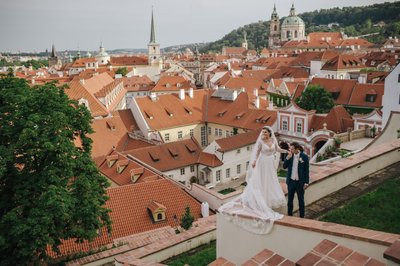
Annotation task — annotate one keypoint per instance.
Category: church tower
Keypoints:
(54, 61)
(274, 30)
(154, 52)
(245, 43)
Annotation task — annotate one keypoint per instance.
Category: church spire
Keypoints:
(53, 51)
(153, 33)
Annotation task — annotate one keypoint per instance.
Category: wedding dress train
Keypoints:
(261, 194)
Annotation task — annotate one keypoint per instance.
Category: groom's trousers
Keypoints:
(298, 188)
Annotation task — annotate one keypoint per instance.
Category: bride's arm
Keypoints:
(258, 154)
(279, 149)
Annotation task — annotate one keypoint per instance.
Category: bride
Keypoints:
(263, 191)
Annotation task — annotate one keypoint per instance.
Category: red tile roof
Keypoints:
(361, 91)
(327, 36)
(129, 214)
(338, 120)
(77, 91)
(331, 253)
(81, 62)
(169, 156)
(138, 83)
(185, 112)
(105, 137)
(209, 159)
(128, 61)
(238, 141)
(343, 61)
(344, 86)
(131, 173)
(171, 83)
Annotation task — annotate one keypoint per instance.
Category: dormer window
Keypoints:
(168, 85)
(238, 116)
(370, 98)
(154, 156)
(169, 112)
(178, 85)
(221, 113)
(121, 165)
(111, 125)
(148, 114)
(188, 110)
(173, 152)
(136, 174)
(156, 211)
(111, 159)
(335, 94)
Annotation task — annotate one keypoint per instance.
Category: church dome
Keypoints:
(292, 20)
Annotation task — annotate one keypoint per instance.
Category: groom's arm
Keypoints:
(287, 161)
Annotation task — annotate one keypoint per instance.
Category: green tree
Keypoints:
(123, 71)
(50, 189)
(315, 97)
(187, 219)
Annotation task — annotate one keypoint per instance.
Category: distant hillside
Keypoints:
(182, 47)
(354, 21)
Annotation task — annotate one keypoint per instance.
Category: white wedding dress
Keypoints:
(261, 194)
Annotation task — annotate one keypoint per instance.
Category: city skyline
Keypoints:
(35, 26)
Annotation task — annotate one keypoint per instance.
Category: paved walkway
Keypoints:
(356, 144)
(334, 200)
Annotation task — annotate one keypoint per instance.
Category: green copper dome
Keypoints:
(292, 20)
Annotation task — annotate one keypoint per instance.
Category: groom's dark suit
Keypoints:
(298, 185)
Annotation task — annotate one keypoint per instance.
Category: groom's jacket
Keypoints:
(303, 168)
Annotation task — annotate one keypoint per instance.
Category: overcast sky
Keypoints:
(34, 25)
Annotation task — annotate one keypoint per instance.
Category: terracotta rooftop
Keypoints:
(209, 159)
(171, 83)
(268, 257)
(238, 141)
(361, 92)
(77, 91)
(138, 83)
(128, 60)
(331, 253)
(123, 171)
(184, 112)
(168, 156)
(345, 86)
(109, 131)
(81, 62)
(129, 213)
(342, 62)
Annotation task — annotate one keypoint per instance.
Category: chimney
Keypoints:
(257, 102)
(182, 94)
(234, 95)
(82, 81)
(153, 96)
(33, 81)
(271, 106)
(191, 94)
(362, 79)
(255, 91)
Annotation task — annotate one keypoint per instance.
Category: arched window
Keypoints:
(159, 216)
(288, 34)
(275, 28)
(295, 33)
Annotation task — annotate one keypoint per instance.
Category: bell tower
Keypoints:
(274, 30)
(154, 53)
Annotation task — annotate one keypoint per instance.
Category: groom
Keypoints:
(297, 176)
